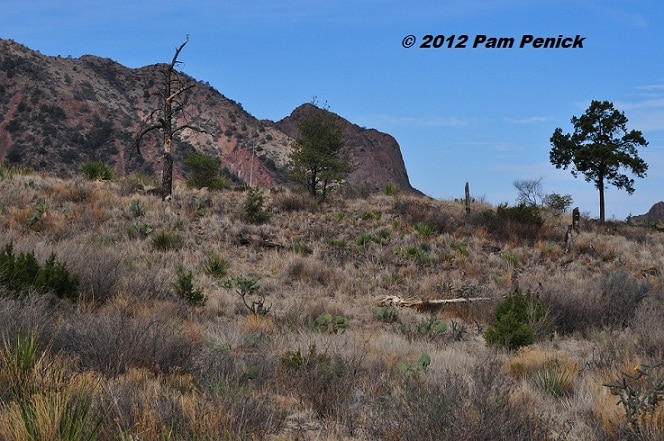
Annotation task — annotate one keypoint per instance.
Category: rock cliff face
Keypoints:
(654, 216)
(56, 113)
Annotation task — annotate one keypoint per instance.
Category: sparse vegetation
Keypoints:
(20, 273)
(184, 288)
(254, 209)
(514, 319)
(307, 353)
(96, 171)
(205, 172)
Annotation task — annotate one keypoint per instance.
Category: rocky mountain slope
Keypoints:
(654, 216)
(57, 112)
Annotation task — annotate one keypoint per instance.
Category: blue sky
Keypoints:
(475, 114)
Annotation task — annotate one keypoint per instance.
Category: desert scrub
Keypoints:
(301, 247)
(167, 240)
(137, 208)
(22, 272)
(413, 369)
(557, 378)
(184, 288)
(326, 322)
(386, 314)
(41, 400)
(254, 206)
(513, 320)
(424, 229)
(247, 289)
(322, 380)
(641, 394)
(216, 266)
(428, 328)
(96, 171)
(204, 172)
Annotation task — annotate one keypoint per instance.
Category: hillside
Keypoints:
(137, 351)
(56, 113)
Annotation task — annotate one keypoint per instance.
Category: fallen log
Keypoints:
(414, 302)
(410, 302)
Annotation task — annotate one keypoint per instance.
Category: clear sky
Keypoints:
(483, 115)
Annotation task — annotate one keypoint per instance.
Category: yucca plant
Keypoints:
(96, 171)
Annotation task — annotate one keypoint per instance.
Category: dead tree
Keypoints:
(467, 191)
(173, 97)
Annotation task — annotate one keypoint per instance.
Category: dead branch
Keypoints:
(410, 302)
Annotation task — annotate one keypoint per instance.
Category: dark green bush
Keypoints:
(522, 214)
(184, 288)
(519, 223)
(204, 172)
(22, 272)
(514, 317)
(96, 171)
(254, 210)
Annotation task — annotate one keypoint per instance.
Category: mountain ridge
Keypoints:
(58, 112)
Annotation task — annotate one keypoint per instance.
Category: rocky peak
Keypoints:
(376, 154)
(57, 112)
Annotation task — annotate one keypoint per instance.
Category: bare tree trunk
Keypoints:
(601, 198)
(167, 178)
(467, 198)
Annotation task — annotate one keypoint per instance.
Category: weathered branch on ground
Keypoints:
(412, 302)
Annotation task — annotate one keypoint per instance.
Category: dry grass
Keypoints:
(162, 369)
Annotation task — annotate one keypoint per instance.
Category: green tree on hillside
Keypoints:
(317, 156)
(204, 171)
(599, 148)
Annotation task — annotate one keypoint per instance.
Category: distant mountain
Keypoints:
(654, 216)
(57, 112)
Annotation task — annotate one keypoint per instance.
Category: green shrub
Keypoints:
(413, 369)
(26, 374)
(254, 210)
(137, 208)
(247, 288)
(326, 322)
(324, 381)
(297, 360)
(138, 229)
(424, 229)
(204, 172)
(385, 314)
(22, 272)
(54, 277)
(522, 214)
(96, 171)
(300, 247)
(391, 189)
(421, 254)
(556, 379)
(184, 288)
(512, 325)
(8, 171)
(216, 266)
(167, 240)
(520, 223)
(431, 327)
(40, 208)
